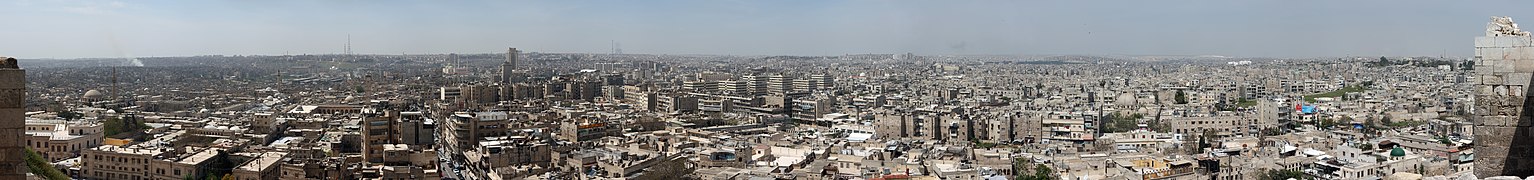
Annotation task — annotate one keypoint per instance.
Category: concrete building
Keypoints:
(261, 167)
(58, 140)
(468, 128)
(508, 68)
(120, 162)
(586, 129)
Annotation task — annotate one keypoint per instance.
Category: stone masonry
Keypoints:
(13, 95)
(1504, 144)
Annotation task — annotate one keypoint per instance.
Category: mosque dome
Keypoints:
(1126, 99)
(94, 94)
(1397, 152)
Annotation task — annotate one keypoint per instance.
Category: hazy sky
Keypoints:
(77, 28)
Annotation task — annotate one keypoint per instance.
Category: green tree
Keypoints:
(1386, 119)
(1468, 65)
(41, 167)
(1203, 142)
(1181, 97)
(112, 126)
(1369, 123)
(1325, 123)
(221, 165)
(1283, 174)
(1271, 132)
(1040, 172)
(117, 125)
(670, 169)
(70, 115)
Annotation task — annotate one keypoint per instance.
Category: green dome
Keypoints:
(1397, 152)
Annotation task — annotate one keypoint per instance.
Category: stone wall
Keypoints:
(1504, 143)
(13, 95)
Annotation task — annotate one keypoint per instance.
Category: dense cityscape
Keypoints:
(525, 114)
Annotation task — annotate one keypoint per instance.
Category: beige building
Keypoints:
(58, 139)
(588, 128)
(262, 167)
(119, 162)
(143, 162)
(468, 128)
(1223, 126)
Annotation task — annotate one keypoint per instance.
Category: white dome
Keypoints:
(1126, 99)
(94, 94)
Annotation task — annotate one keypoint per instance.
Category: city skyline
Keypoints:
(113, 29)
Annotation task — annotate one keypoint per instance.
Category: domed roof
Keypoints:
(1397, 152)
(94, 93)
(1126, 99)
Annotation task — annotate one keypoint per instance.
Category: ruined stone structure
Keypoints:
(13, 102)
(1504, 144)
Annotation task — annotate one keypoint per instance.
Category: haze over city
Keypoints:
(766, 90)
(111, 29)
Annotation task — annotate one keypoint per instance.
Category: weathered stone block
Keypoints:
(1511, 41)
(1509, 100)
(13, 79)
(1502, 67)
(1496, 136)
(11, 157)
(1493, 53)
(1496, 120)
(1484, 41)
(1504, 178)
(1520, 79)
(1518, 53)
(1522, 65)
(11, 138)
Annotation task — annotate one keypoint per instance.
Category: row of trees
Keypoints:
(1121, 123)
(1283, 174)
(115, 125)
(1466, 65)
(1038, 172)
(41, 167)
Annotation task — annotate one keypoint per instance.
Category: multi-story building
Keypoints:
(144, 162)
(58, 139)
(584, 129)
(263, 166)
(467, 128)
(120, 162)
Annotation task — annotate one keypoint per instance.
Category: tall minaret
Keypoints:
(13, 104)
(115, 94)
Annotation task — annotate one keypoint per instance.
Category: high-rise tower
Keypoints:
(13, 102)
(508, 68)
